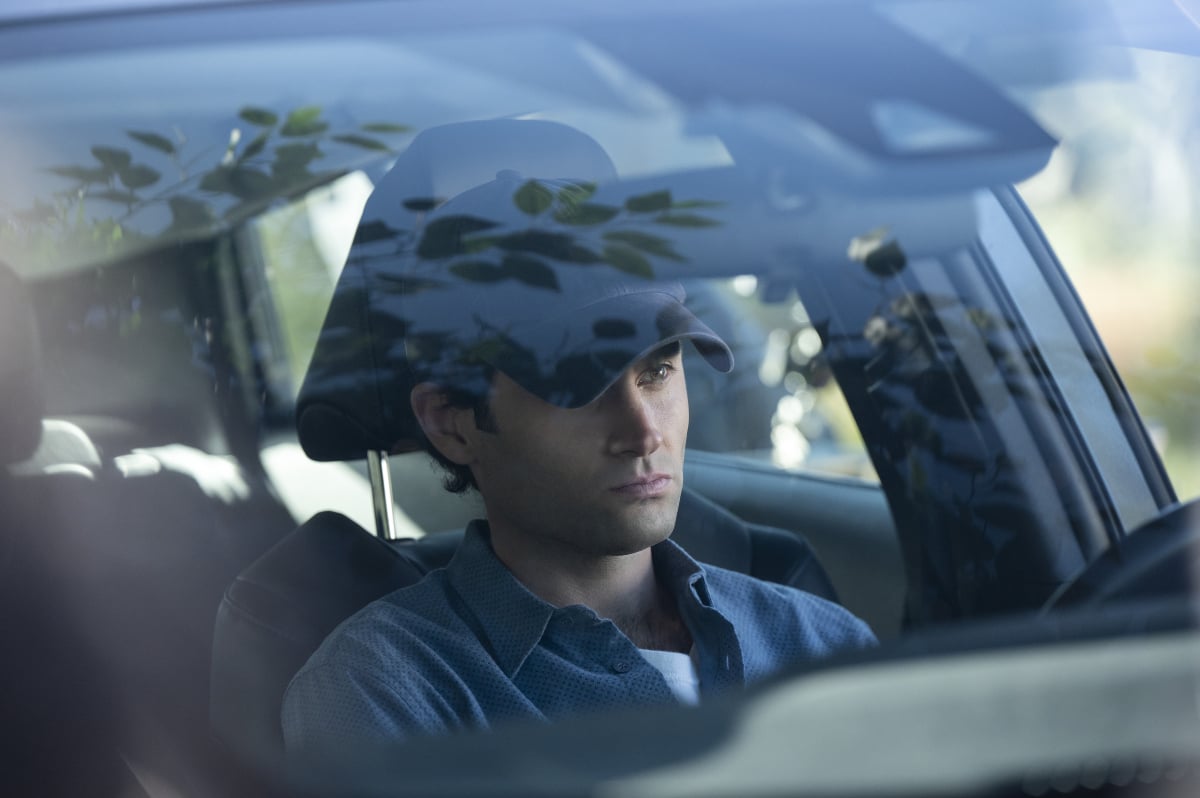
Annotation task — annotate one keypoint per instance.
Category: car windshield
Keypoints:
(929, 267)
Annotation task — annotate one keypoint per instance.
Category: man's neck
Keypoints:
(622, 588)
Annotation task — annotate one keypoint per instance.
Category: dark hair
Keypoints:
(458, 478)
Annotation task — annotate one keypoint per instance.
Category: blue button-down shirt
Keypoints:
(469, 646)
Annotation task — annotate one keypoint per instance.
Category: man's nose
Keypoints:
(634, 424)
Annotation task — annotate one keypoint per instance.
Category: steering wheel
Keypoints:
(1159, 559)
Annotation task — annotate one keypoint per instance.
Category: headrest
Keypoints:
(486, 249)
(21, 390)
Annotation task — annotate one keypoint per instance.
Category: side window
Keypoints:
(301, 248)
(781, 403)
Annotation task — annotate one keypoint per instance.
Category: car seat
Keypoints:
(278, 611)
(59, 714)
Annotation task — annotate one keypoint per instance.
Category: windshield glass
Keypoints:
(885, 304)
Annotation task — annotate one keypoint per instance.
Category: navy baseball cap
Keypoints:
(529, 273)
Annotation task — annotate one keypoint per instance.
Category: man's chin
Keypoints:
(644, 525)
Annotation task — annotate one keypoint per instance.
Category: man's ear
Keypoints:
(443, 423)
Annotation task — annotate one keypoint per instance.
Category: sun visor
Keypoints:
(890, 115)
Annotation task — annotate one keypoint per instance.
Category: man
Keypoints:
(549, 377)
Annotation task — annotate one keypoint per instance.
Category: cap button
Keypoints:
(508, 174)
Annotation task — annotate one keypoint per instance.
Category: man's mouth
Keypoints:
(645, 487)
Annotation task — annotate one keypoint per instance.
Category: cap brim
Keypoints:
(569, 362)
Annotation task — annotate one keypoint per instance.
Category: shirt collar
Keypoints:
(512, 620)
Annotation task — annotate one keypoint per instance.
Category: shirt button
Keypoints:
(621, 666)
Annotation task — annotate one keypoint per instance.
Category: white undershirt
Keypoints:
(679, 670)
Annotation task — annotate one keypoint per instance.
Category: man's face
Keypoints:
(603, 479)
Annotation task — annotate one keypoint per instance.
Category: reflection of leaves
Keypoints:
(533, 198)
(696, 203)
(938, 391)
(119, 175)
(523, 268)
(478, 271)
(685, 220)
(443, 237)
(114, 195)
(585, 213)
(189, 213)
(304, 122)
(114, 159)
(559, 246)
(422, 204)
(385, 127)
(256, 146)
(649, 203)
(80, 173)
(239, 180)
(628, 260)
(652, 244)
(530, 271)
(295, 156)
(153, 140)
(138, 176)
(375, 231)
(365, 142)
(575, 193)
(886, 260)
(259, 116)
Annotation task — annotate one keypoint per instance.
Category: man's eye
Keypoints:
(659, 374)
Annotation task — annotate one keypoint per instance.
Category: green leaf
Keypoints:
(685, 220)
(304, 122)
(649, 203)
(628, 260)
(138, 176)
(260, 116)
(385, 127)
(533, 198)
(153, 140)
(444, 237)
(478, 271)
(365, 142)
(654, 245)
(530, 271)
(585, 213)
(256, 145)
(112, 157)
(575, 193)
(80, 173)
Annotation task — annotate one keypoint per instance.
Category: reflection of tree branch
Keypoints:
(116, 177)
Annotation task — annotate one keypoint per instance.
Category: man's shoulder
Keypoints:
(752, 602)
(415, 610)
